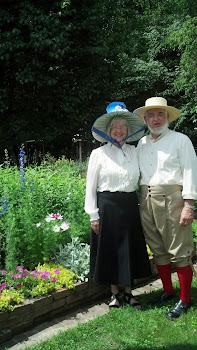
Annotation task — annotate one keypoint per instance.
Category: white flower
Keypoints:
(56, 228)
(48, 218)
(38, 224)
(65, 226)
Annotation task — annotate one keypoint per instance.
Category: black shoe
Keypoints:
(113, 297)
(180, 308)
(127, 299)
(164, 297)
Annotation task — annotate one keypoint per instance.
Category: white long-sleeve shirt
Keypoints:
(109, 170)
(169, 159)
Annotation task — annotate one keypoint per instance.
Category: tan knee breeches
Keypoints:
(160, 210)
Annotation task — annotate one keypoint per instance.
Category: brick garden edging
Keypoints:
(37, 310)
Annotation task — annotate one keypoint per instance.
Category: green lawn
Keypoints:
(128, 329)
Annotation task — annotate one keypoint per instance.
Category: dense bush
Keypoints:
(28, 195)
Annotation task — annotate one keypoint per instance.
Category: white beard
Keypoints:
(159, 131)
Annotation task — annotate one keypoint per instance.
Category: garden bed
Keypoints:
(37, 310)
(34, 311)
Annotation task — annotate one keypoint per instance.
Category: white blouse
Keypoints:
(110, 169)
(170, 159)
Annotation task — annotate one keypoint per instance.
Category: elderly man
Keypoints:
(168, 183)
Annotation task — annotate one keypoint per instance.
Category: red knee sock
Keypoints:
(185, 275)
(165, 275)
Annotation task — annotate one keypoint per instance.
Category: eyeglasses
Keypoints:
(119, 127)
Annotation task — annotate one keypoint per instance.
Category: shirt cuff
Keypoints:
(190, 196)
(94, 216)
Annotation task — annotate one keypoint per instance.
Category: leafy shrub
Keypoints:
(52, 231)
(32, 193)
(75, 256)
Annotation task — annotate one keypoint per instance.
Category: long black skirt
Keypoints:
(118, 253)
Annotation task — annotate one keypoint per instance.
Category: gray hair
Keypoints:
(115, 119)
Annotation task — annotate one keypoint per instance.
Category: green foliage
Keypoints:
(63, 61)
(44, 279)
(194, 230)
(45, 189)
(75, 256)
(52, 231)
(184, 39)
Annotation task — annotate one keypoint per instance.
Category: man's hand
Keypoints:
(95, 226)
(187, 216)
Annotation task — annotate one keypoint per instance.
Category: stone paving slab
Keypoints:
(48, 329)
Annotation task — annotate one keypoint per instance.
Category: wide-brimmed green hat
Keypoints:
(135, 123)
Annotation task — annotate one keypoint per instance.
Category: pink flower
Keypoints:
(19, 285)
(19, 268)
(56, 271)
(3, 272)
(4, 285)
(36, 273)
(54, 279)
(18, 275)
(45, 274)
(56, 216)
(65, 225)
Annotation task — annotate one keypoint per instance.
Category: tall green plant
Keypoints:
(32, 194)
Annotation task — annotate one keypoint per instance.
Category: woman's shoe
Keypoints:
(127, 299)
(113, 297)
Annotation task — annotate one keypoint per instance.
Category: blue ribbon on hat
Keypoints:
(111, 139)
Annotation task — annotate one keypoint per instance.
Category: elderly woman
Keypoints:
(118, 248)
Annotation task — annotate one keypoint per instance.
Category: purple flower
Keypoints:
(19, 285)
(25, 272)
(3, 205)
(54, 279)
(22, 153)
(56, 271)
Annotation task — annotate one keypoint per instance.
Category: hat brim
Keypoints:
(173, 112)
(134, 121)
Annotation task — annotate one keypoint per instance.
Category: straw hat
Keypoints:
(136, 124)
(158, 102)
